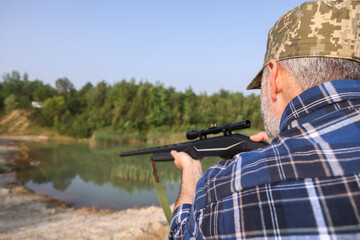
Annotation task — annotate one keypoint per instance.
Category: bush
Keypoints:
(10, 103)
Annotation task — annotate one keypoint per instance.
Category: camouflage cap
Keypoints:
(315, 29)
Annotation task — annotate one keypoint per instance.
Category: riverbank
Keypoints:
(27, 215)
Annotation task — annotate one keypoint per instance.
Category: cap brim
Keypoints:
(256, 82)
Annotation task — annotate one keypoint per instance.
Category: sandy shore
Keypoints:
(27, 215)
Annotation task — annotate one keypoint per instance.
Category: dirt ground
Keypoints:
(27, 215)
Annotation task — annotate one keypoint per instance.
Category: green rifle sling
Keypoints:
(161, 192)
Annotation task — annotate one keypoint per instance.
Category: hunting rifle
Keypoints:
(225, 146)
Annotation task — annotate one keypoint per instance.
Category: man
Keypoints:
(306, 183)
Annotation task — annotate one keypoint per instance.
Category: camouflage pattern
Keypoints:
(315, 29)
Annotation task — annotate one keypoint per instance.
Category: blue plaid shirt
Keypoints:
(305, 184)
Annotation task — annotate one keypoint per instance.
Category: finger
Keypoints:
(261, 136)
(257, 137)
(181, 159)
(177, 158)
(173, 153)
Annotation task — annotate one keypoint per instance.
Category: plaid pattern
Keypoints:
(304, 185)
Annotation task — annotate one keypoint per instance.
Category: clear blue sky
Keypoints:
(205, 44)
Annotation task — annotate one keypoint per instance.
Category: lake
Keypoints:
(85, 176)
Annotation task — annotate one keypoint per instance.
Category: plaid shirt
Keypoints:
(304, 185)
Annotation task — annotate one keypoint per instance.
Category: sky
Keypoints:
(207, 45)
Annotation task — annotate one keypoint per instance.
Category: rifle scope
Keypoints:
(226, 129)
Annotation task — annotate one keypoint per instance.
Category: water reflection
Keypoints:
(96, 177)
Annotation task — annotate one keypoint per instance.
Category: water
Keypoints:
(97, 177)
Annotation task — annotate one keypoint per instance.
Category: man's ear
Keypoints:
(275, 79)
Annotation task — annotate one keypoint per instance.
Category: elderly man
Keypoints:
(306, 183)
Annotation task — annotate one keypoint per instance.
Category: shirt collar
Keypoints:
(318, 97)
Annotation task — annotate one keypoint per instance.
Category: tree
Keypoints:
(12, 84)
(53, 108)
(64, 86)
(99, 94)
(40, 91)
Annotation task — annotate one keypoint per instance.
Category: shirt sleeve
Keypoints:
(179, 226)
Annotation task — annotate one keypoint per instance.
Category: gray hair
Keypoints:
(307, 72)
(312, 71)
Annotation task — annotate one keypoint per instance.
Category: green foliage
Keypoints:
(20, 86)
(10, 103)
(126, 110)
(53, 108)
(64, 86)
(79, 127)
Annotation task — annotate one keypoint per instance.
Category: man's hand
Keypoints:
(261, 136)
(183, 161)
(191, 173)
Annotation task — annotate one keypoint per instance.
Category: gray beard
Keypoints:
(271, 122)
